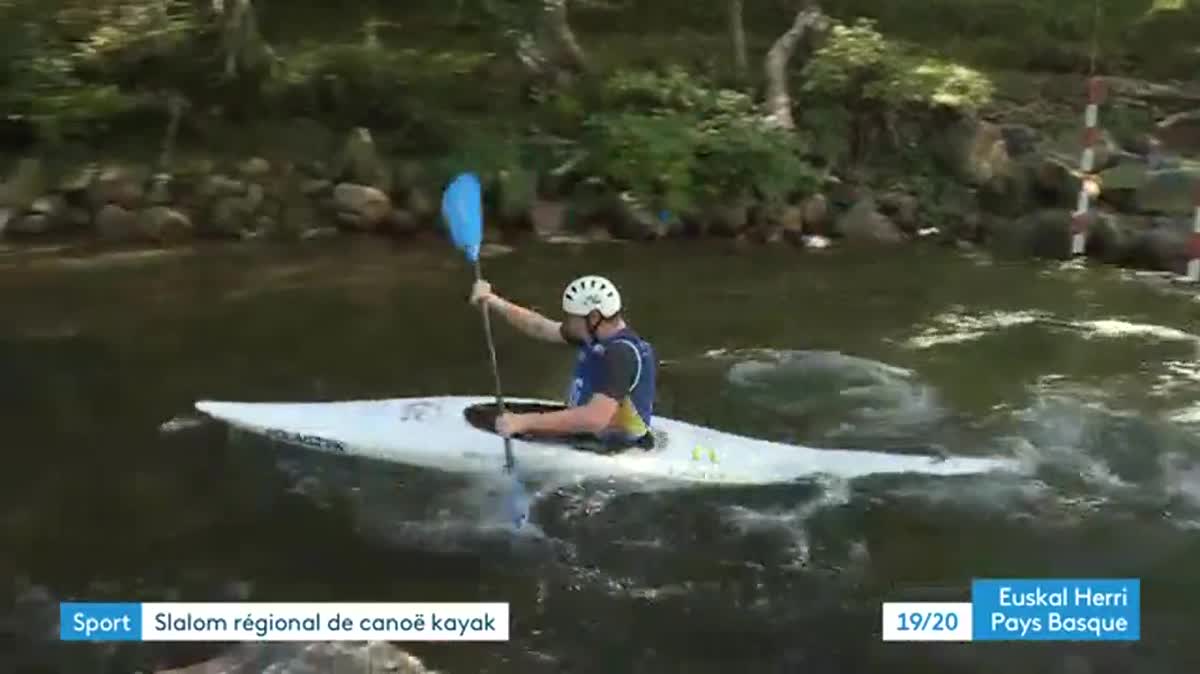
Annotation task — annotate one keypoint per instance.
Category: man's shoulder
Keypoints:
(635, 340)
(622, 349)
(627, 357)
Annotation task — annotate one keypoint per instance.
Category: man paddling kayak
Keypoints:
(611, 400)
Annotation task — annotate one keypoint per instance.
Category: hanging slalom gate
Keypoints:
(1089, 186)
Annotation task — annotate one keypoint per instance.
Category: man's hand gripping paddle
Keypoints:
(462, 208)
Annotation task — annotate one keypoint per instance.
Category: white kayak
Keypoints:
(455, 434)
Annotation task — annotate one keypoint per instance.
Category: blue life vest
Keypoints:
(636, 408)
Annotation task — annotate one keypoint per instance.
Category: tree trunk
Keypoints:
(779, 103)
(176, 105)
(554, 14)
(245, 50)
(737, 32)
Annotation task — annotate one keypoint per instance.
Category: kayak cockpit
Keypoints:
(483, 417)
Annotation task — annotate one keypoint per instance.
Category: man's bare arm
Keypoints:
(527, 321)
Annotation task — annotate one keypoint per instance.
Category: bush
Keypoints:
(861, 82)
(677, 138)
(646, 153)
(861, 68)
(70, 67)
(1044, 35)
(367, 82)
(508, 166)
(741, 157)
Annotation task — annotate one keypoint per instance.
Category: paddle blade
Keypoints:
(462, 208)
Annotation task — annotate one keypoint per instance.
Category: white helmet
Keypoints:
(591, 293)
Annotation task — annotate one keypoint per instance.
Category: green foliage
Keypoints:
(739, 154)
(74, 110)
(65, 65)
(1044, 35)
(118, 33)
(928, 82)
(505, 163)
(943, 197)
(673, 90)
(828, 127)
(423, 70)
(648, 153)
(858, 65)
(1126, 123)
(487, 152)
(366, 82)
(507, 14)
(369, 66)
(858, 83)
(854, 57)
(676, 137)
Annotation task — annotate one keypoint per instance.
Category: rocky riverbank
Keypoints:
(1014, 187)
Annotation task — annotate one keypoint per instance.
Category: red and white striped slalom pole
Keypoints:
(1089, 187)
(1194, 241)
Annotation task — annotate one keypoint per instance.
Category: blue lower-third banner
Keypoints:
(250, 621)
(1024, 609)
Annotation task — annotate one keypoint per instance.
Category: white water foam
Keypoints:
(1182, 481)
(456, 516)
(858, 397)
(1092, 458)
(1113, 328)
(1188, 415)
(791, 522)
(182, 422)
(958, 326)
(1179, 376)
(1061, 434)
(845, 395)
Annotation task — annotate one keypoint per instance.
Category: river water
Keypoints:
(112, 490)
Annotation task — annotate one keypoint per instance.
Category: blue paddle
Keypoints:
(462, 208)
